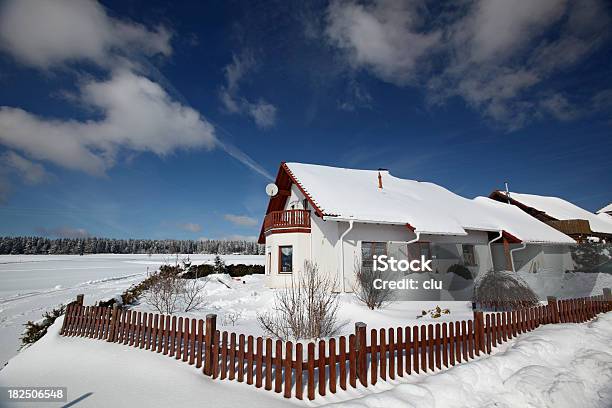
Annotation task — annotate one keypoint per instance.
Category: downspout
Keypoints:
(491, 251)
(342, 252)
(516, 249)
(412, 241)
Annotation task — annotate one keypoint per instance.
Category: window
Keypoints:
(468, 255)
(369, 249)
(285, 259)
(418, 249)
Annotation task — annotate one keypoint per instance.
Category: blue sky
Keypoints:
(151, 120)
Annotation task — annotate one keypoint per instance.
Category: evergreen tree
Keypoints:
(93, 245)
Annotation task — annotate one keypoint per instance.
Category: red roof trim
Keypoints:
(501, 196)
(511, 238)
(303, 190)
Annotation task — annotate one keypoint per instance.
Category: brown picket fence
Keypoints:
(305, 370)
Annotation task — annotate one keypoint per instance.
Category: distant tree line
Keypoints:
(93, 245)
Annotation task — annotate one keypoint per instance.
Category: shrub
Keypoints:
(460, 270)
(164, 291)
(503, 290)
(35, 330)
(307, 309)
(235, 271)
(364, 287)
(590, 256)
(219, 265)
(240, 270)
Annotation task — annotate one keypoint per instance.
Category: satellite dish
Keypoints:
(271, 189)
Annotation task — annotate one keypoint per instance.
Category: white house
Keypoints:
(338, 218)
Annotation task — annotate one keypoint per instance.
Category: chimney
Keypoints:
(507, 191)
(379, 180)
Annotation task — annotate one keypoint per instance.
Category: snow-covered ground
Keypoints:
(552, 366)
(562, 365)
(246, 297)
(32, 284)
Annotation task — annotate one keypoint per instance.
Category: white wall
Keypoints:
(536, 258)
(300, 241)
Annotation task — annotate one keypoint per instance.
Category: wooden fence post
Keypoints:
(479, 340)
(66, 318)
(607, 292)
(111, 324)
(79, 299)
(211, 328)
(554, 309)
(362, 357)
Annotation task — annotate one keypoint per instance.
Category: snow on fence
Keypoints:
(348, 361)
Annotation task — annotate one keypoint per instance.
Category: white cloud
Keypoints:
(64, 232)
(497, 29)
(241, 220)
(262, 112)
(133, 111)
(385, 37)
(52, 32)
(191, 227)
(495, 54)
(137, 114)
(30, 172)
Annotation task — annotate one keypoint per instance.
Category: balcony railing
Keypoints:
(287, 219)
(572, 227)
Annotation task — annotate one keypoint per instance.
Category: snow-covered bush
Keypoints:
(235, 270)
(231, 318)
(308, 309)
(165, 290)
(503, 290)
(364, 287)
(219, 265)
(35, 330)
(168, 292)
(192, 293)
(589, 256)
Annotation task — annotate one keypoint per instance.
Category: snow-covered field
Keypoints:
(552, 366)
(562, 365)
(32, 284)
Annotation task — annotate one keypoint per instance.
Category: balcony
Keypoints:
(572, 227)
(287, 221)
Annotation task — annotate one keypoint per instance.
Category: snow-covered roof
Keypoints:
(351, 194)
(563, 210)
(605, 216)
(607, 208)
(517, 222)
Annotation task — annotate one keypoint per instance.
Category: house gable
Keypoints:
(284, 181)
